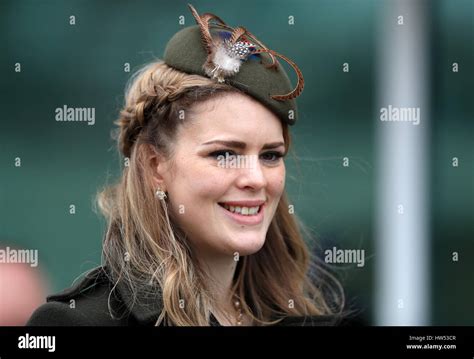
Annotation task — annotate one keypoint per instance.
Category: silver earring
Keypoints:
(161, 195)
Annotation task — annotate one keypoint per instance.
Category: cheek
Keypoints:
(276, 181)
(198, 180)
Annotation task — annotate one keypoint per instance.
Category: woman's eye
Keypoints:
(272, 156)
(223, 153)
(227, 154)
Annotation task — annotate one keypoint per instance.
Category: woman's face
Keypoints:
(226, 160)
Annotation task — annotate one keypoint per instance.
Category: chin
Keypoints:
(247, 246)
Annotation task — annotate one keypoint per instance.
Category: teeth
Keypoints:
(244, 211)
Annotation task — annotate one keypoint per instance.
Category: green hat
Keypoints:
(236, 57)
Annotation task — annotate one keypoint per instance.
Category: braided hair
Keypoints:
(158, 93)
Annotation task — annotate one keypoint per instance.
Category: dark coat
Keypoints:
(87, 304)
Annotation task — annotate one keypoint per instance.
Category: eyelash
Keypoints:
(277, 154)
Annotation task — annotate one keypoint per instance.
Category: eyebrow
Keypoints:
(242, 145)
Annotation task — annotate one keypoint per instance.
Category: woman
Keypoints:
(199, 227)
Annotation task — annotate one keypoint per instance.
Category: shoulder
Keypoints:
(86, 303)
(58, 314)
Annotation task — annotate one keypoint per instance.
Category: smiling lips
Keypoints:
(244, 212)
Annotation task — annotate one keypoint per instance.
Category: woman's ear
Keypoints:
(158, 167)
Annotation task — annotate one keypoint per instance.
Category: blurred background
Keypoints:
(75, 53)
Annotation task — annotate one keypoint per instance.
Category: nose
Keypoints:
(252, 177)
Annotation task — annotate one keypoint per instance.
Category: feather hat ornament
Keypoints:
(235, 56)
(232, 46)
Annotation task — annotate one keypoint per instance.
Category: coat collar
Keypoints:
(146, 305)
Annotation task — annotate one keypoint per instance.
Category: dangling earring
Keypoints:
(161, 195)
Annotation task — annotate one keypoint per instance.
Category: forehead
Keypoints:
(233, 115)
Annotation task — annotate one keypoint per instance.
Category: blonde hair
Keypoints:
(145, 248)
